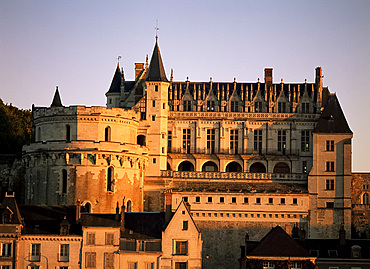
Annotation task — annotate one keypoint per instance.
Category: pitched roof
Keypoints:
(115, 86)
(9, 203)
(278, 243)
(156, 69)
(57, 102)
(332, 119)
(141, 225)
(100, 220)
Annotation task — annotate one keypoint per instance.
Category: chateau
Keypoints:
(245, 156)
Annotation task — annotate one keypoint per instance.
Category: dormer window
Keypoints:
(234, 106)
(356, 251)
(282, 107)
(187, 106)
(211, 106)
(306, 108)
(258, 107)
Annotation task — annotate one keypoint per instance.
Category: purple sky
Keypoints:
(74, 44)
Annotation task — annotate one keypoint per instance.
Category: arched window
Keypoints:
(110, 179)
(68, 133)
(257, 168)
(168, 167)
(87, 207)
(129, 206)
(365, 199)
(107, 134)
(64, 181)
(38, 134)
(186, 166)
(141, 140)
(233, 167)
(209, 167)
(281, 168)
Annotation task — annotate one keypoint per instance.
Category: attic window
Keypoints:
(210, 105)
(333, 253)
(314, 252)
(185, 225)
(282, 107)
(234, 106)
(156, 88)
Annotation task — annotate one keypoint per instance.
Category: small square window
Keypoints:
(329, 184)
(222, 200)
(153, 117)
(329, 204)
(203, 214)
(246, 200)
(210, 199)
(197, 199)
(233, 200)
(246, 215)
(282, 201)
(295, 201)
(258, 200)
(185, 198)
(258, 215)
(209, 215)
(271, 200)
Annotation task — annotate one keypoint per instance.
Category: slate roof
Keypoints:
(332, 119)
(9, 203)
(100, 220)
(115, 86)
(57, 102)
(156, 69)
(278, 243)
(144, 225)
(43, 219)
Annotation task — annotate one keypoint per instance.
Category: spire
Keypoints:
(156, 69)
(115, 86)
(57, 102)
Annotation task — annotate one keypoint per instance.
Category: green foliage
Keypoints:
(15, 128)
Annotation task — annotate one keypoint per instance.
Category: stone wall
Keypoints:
(360, 210)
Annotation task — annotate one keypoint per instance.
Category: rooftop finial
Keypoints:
(171, 74)
(156, 30)
(146, 62)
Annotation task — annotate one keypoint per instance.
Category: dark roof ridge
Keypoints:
(156, 70)
(57, 102)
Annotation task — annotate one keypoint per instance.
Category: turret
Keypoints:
(114, 92)
(157, 85)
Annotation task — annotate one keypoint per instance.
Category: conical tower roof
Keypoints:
(115, 86)
(57, 102)
(156, 69)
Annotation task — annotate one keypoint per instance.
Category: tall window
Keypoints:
(329, 167)
(35, 252)
(282, 141)
(110, 179)
(187, 106)
(306, 108)
(211, 140)
(304, 166)
(63, 252)
(305, 141)
(234, 140)
(169, 141)
(108, 260)
(107, 135)
(281, 107)
(109, 238)
(64, 181)
(90, 259)
(329, 145)
(186, 136)
(149, 265)
(181, 247)
(365, 199)
(185, 225)
(211, 106)
(6, 250)
(68, 133)
(258, 140)
(258, 107)
(153, 103)
(90, 239)
(234, 106)
(129, 206)
(329, 184)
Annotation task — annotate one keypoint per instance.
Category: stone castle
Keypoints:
(246, 156)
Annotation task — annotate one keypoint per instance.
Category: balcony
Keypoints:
(234, 176)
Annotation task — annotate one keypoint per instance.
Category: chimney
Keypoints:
(122, 228)
(138, 68)
(117, 212)
(168, 200)
(295, 232)
(342, 236)
(78, 210)
(268, 76)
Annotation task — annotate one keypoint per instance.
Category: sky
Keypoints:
(75, 45)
